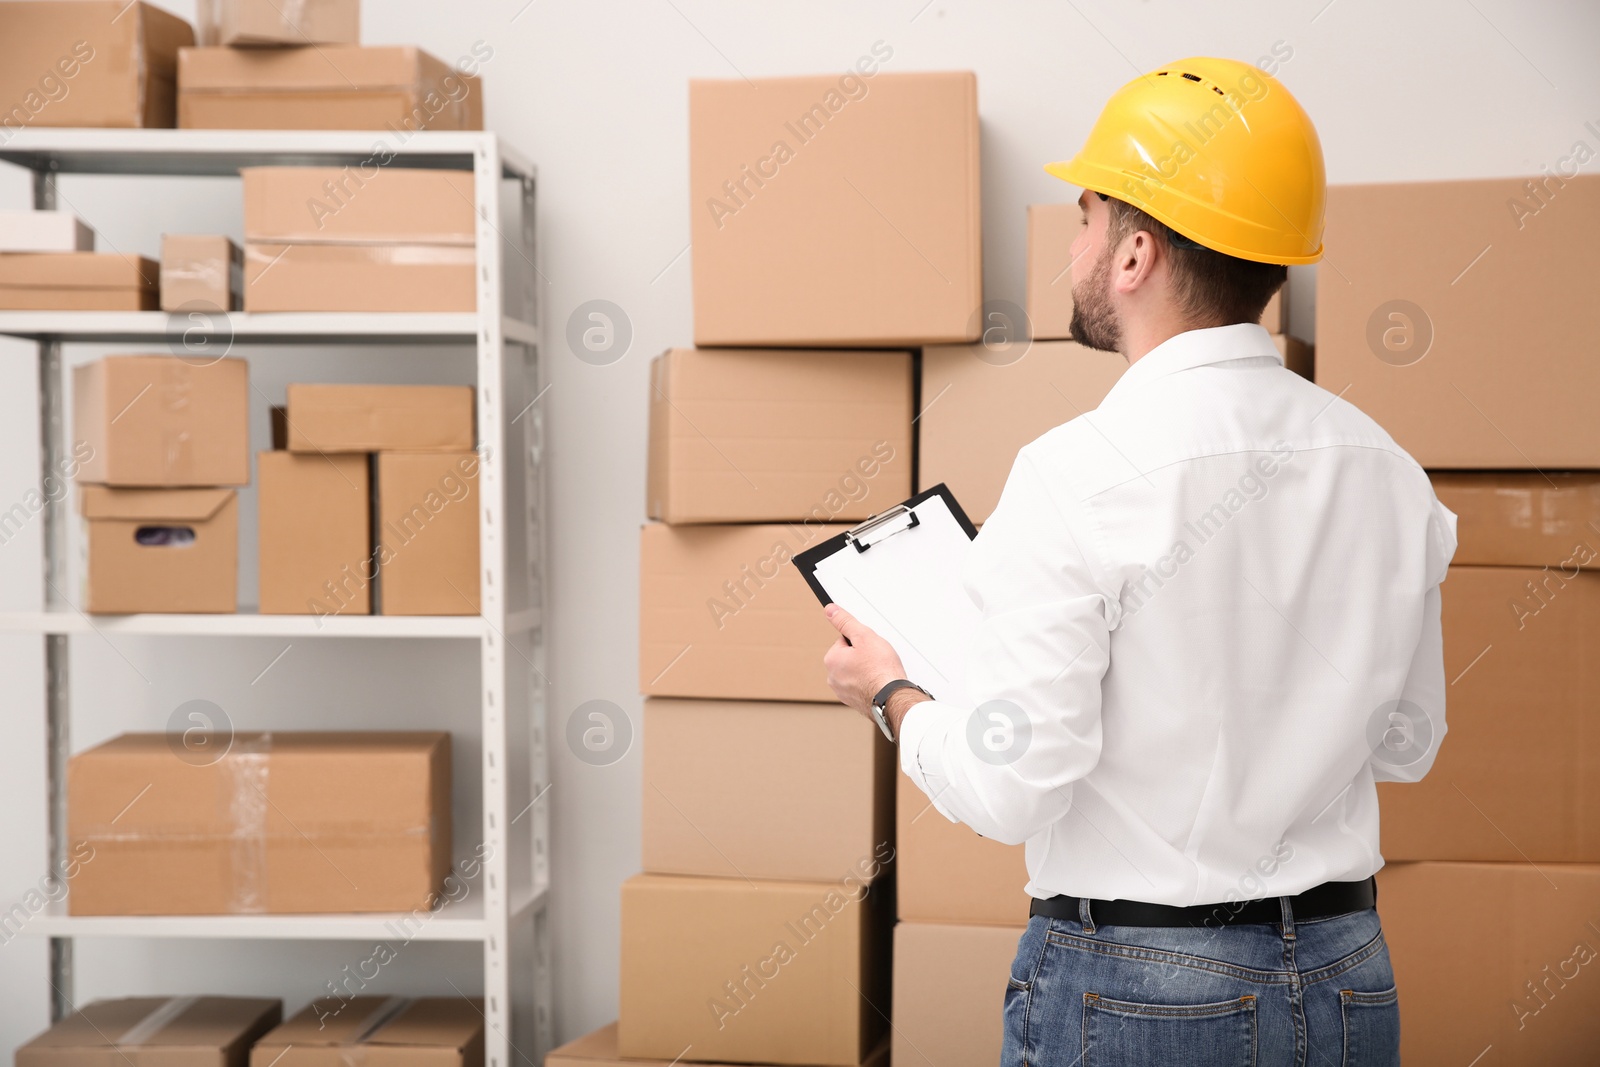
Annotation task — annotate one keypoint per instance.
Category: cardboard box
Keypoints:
(723, 613)
(379, 418)
(89, 63)
(947, 873)
(160, 550)
(976, 414)
(252, 23)
(1523, 518)
(740, 435)
(598, 1048)
(1518, 774)
(276, 823)
(1525, 991)
(1412, 327)
(341, 1031)
(315, 533)
(1297, 355)
(1051, 230)
(78, 281)
(836, 210)
(358, 205)
(44, 231)
(949, 988)
(155, 1032)
(162, 421)
(808, 816)
(332, 277)
(200, 273)
(754, 972)
(334, 87)
(427, 533)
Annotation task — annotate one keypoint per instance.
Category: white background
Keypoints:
(595, 94)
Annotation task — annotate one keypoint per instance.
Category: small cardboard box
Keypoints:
(160, 550)
(78, 281)
(1297, 355)
(90, 63)
(379, 418)
(315, 532)
(717, 804)
(977, 413)
(836, 210)
(1413, 328)
(155, 1032)
(360, 205)
(1517, 777)
(200, 273)
(1525, 991)
(1523, 518)
(947, 873)
(949, 988)
(377, 1032)
(255, 23)
(598, 1048)
(724, 614)
(163, 421)
(427, 533)
(332, 87)
(44, 231)
(755, 972)
(276, 823)
(739, 435)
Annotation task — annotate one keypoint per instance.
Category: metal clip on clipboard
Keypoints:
(883, 525)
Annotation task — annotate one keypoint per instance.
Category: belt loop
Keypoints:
(1287, 907)
(1084, 917)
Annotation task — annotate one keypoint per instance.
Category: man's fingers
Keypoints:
(843, 621)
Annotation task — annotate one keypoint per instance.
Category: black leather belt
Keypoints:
(1318, 902)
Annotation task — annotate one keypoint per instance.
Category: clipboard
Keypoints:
(899, 572)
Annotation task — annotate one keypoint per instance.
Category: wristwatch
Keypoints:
(880, 704)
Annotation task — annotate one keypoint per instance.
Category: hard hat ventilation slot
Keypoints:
(1192, 77)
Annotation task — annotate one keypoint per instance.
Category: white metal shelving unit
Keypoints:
(505, 913)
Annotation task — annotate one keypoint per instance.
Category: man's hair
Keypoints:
(1211, 287)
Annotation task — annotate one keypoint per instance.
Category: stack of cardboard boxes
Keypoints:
(1458, 318)
(48, 263)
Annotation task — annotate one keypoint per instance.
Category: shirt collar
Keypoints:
(1197, 348)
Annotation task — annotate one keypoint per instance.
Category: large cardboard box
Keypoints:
(44, 231)
(360, 204)
(1297, 355)
(314, 518)
(260, 822)
(155, 1032)
(200, 272)
(598, 1048)
(1525, 991)
(755, 972)
(427, 533)
(160, 550)
(945, 872)
(162, 421)
(1412, 326)
(723, 613)
(977, 413)
(250, 23)
(836, 210)
(333, 87)
(348, 277)
(78, 281)
(1523, 518)
(379, 418)
(89, 63)
(717, 802)
(949, 988)
(344, 1031)
(1517, 777)
(739, 435)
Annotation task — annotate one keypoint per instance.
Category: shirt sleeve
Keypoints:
(1006, 766)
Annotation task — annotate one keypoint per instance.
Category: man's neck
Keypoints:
(1141, 337)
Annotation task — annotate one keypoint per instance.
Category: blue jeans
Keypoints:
(1308, 994)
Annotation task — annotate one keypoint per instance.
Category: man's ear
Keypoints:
(1137, 266)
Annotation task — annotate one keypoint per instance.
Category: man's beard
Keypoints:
(1094, 321)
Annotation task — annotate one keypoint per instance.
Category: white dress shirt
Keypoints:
(1210, 624)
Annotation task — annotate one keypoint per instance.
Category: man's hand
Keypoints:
(860, 663)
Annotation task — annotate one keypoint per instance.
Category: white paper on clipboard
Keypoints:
(907, 587)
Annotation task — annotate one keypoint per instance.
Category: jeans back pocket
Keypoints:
(1371, 1028)
(1121, 1034)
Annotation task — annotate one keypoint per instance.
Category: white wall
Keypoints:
(594, 92)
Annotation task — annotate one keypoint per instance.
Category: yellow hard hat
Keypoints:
(1217, 150)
